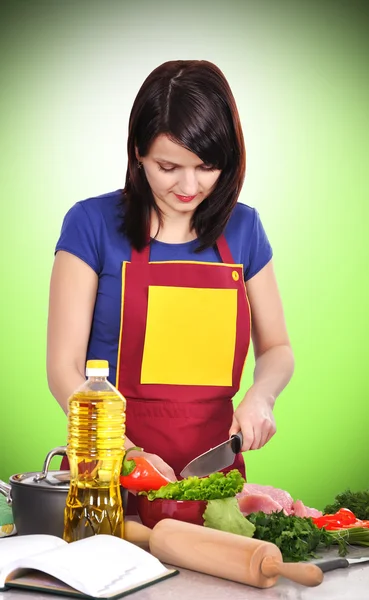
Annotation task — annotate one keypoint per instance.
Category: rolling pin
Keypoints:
(136, 533)
(226, 555)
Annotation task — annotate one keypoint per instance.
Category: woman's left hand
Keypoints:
(254, 417)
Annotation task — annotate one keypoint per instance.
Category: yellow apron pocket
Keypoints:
(190, 336)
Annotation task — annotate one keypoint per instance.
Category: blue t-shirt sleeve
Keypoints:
(79, 237)
(260, 250)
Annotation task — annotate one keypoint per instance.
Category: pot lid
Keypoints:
(54, 480)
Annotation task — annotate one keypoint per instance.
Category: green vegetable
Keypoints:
(357, 502)
(226, 515)
(296, 537)
(354, 536)
(216, 486)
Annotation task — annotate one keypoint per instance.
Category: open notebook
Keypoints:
(102, 566)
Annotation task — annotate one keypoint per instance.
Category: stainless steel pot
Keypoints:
(38, 499)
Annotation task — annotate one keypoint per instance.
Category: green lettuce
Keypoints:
(214, 487)
(226, 515)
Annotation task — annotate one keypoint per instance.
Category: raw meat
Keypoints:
(267, 499)
(251, 503)
(300, 510)
(281, 497)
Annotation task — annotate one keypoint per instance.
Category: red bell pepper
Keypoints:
(327, 521)
(139, 475)
(346, 516)
(364, 524)
(342, 519)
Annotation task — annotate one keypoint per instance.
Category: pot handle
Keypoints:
(59, 451)
(5, 490)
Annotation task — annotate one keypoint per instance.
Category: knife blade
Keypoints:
(329, 564)
(215, 459)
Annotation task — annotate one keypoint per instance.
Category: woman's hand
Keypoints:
(160, 465)
(157, 462)
(149, 472)
(254, 417)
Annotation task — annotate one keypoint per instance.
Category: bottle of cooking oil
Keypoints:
(95, 449)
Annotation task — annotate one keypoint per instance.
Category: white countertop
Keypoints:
(342, 584)
(351, 583)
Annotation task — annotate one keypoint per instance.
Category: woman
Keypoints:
(153, 279)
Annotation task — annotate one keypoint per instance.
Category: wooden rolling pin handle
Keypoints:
(304, 573)
(136, 533)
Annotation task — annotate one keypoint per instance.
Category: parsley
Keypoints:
(296, 537)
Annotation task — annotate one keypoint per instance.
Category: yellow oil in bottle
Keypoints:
(96, 434)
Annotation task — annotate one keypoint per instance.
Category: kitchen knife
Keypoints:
(328, 564)
(215, 459)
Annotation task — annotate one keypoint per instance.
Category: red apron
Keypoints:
(184, 338)
(185, 334)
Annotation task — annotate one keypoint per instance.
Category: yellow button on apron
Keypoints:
(190, 336)
(235, 275)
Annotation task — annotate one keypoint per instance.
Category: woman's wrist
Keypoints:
(258, 393)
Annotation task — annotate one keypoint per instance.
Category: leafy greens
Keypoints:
(214, 487)
(226, 515)
(297, 537)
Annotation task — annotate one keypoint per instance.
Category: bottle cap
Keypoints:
(97, 368)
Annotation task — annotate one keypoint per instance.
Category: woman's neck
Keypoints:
(176, 229)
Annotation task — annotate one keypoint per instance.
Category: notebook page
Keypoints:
(14, 548)
(137, 575)
(98, 565)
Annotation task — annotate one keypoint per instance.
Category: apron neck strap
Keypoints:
(223, 249)
(141, 257)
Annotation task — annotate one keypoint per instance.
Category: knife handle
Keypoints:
(330, 564)
(236, 442)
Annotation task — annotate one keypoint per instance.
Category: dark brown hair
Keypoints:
(192, 103)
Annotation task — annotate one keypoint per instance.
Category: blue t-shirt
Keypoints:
(91, 231)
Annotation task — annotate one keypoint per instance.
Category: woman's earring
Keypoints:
(139, 164)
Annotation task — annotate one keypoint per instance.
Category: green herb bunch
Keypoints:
(297, 537)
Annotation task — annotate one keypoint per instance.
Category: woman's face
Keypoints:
(179, 180)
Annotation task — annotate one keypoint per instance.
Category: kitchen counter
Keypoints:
(342, 584)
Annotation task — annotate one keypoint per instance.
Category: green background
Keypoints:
(299, 72)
